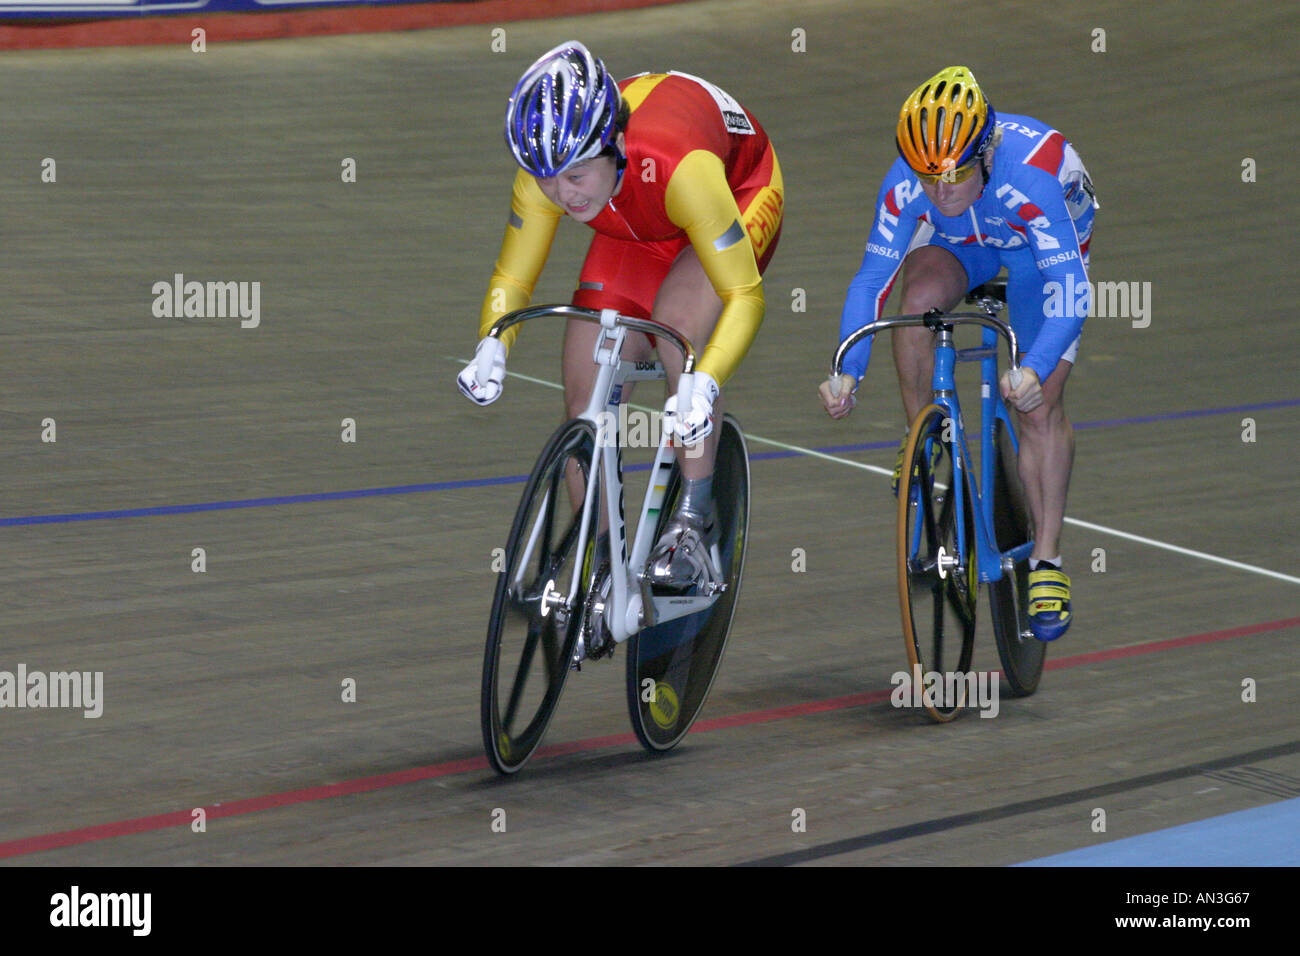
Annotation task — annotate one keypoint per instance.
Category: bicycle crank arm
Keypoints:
(632, 620)
(671, 607)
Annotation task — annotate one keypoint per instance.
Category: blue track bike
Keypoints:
(956, 533)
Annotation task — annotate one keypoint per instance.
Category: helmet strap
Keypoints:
(620, 163)
(984, 171)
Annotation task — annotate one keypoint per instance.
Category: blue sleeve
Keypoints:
(891, 233)
(1066, 295)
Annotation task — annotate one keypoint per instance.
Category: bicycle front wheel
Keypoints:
(937, 580)
(671, 666)
(1022, 654)
(534, 624)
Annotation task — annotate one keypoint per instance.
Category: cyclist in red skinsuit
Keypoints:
(685, 194)
(680, 159)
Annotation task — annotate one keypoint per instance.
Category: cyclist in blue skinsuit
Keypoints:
(973, 191)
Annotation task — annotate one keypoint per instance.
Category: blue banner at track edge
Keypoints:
(33, 13)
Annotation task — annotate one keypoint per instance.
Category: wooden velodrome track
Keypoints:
(224, 687)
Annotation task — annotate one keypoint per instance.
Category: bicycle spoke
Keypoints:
(936, 656)
(569, 540)
(551, 654)
(548, 518)
(521, 675)
(960, 603)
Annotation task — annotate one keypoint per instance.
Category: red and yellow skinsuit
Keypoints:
(700, 172)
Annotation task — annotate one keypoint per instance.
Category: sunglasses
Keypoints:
(958, 175)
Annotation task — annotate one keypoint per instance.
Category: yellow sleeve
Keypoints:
(699, 200)
(527, 243)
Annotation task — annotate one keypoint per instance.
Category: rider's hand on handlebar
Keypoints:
(837, 395)
(697, 424)
(1027, 394)
(481, 380)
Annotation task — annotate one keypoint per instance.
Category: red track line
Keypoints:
(179, 818)
(226, 27)
(1150, 648)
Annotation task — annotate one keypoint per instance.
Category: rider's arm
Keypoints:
(891, 233)
(699, 200)
(1055, 244)
(527, 242)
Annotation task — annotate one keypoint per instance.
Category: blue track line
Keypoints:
(520, 479)
(260, 502)
(1194, 413)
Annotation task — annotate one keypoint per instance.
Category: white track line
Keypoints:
(1102, 529)
(1187, 551)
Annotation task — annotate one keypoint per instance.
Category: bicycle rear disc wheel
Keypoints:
(1021, 653)
(534, 625)
(937, 587)
(671, 666)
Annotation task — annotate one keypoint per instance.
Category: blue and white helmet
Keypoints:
(563, 110)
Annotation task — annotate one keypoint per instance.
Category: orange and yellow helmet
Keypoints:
(945, 123)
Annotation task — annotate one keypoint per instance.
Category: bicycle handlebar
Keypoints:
(609, 318)
(934, 320)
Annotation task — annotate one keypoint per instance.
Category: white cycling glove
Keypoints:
(481, 380)
(1022, 389)
(837, 394)
(697, 423)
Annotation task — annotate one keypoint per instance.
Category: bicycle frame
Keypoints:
(633, 604)
(990, 561)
